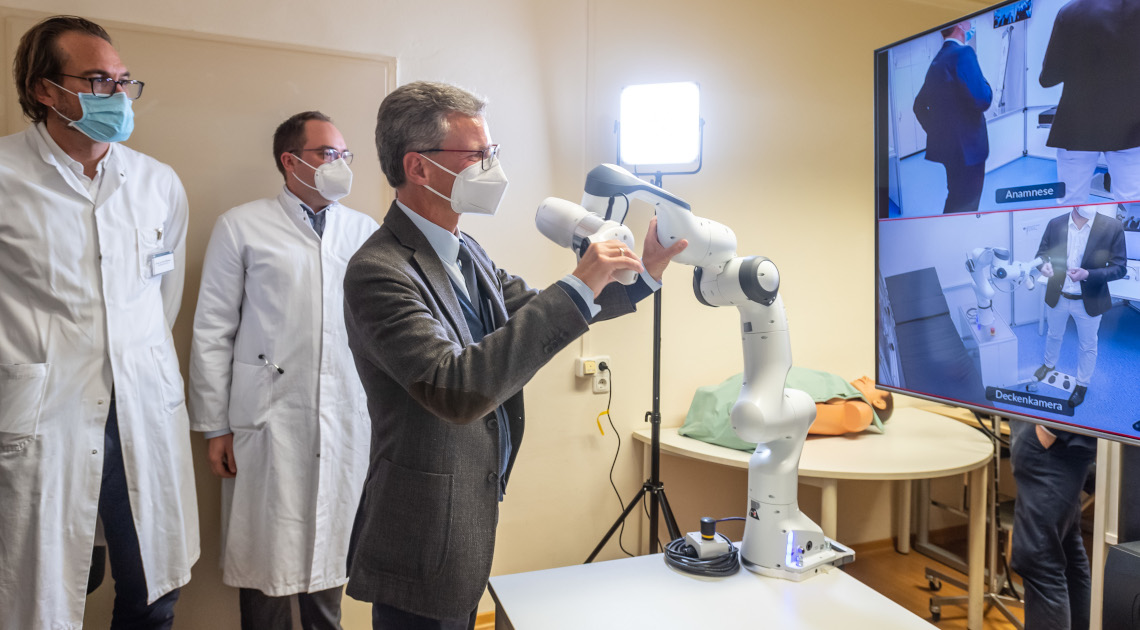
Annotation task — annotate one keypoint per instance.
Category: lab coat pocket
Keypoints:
(251, 393)
(22, 389)
(169, 375)
(149, 242)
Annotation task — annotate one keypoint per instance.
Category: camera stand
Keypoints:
(652, 486)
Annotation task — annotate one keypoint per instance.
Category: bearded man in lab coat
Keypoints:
(273, 385)
(93, 424)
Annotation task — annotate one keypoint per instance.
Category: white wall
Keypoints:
(1007, 139)
(787, 96)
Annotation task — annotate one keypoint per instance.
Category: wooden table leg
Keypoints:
(975, 555)
(829, 506)
(903, 515)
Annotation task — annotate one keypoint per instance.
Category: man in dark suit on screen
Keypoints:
(444, 341)
(949, 106)
(1094, 50)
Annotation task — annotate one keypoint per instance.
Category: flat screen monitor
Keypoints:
(1007, 173)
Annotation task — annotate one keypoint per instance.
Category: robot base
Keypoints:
(832, 554)
(780, 541)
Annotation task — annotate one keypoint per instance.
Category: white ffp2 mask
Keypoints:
(475, 190)
(333, 179)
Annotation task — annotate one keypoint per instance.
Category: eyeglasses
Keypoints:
(486, 156)
(104, 87)
(331, 155)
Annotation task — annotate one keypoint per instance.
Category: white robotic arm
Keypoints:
(993, 269)
(572, 226)
(978, 263)
(778, 539)
(710, 243)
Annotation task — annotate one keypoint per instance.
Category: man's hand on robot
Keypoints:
(603, 261)
(1047, 270)
(655, 256)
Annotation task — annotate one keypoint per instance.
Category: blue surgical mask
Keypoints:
(104, 119)
(970, 34)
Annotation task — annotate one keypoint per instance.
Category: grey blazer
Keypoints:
(424, 533)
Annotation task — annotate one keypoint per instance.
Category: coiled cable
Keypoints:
(681, 555)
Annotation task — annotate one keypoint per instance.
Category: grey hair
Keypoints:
(414, 118)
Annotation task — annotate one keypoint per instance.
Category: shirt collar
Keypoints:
(66, 160)
(445, 244)
(293, 203)
(1073, 224)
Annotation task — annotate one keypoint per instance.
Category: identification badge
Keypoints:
(161, 263)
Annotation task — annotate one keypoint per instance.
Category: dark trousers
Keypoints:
(319, 610)
(1047, 548)
(963, 187)
(385, 617)
(131, 611)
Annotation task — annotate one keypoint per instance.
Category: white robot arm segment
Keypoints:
(992, 269)
(710, 243)
(978, 264)
(572, 226)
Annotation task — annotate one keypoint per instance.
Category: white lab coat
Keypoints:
(80, 310)
(271, 287)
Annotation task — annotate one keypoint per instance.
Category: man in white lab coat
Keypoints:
(93, 424)
(274, 387)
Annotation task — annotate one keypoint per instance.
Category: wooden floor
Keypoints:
(902, 578)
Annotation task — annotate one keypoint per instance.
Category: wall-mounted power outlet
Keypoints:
(590, 367)
(602, 382)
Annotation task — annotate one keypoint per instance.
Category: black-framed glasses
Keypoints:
(330, 155)
(486, 156)
(104, 87)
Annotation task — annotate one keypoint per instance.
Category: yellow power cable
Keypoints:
(604, 413)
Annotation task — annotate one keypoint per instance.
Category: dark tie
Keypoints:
(467, 266)
(317, 219)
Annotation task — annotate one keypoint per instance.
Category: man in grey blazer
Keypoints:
(444, 342)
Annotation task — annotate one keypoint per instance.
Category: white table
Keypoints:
(644, 592)
(917, 444)
(1125, 289)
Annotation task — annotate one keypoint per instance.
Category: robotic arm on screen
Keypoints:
(778, 539)
(993, 269)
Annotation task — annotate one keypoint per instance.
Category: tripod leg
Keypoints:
(670, 520)
(617, 523)
(654, 502)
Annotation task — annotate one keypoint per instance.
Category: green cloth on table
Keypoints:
(709, 414)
